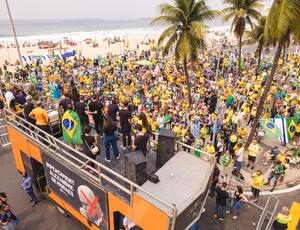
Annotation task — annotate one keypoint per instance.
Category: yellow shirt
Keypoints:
(211, 149)
(40, 115)
(177, 130)
(243, 132)
(253, 149)
(257, 181)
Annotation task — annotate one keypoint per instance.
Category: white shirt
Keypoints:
(127, 223)
(8, 97)
(240, 155)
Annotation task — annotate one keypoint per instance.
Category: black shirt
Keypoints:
(80, 109)
(112, 111)
(27, 108)
(141, 143)
(222, 196)
(125, 115)
(96, 106)
(110, 130)
(216, 175)
(88, 141)
(64, 103)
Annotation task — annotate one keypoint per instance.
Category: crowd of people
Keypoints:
(114, 87)
(115, 93)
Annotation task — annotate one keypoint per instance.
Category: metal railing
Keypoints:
(4, 138)
(79, 161)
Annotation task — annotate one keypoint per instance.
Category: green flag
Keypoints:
(71, 127)
(270, 128)
(32, 79)
(291, 124)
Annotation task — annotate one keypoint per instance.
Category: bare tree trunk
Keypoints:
(240, 56)
(264, 95)
(187, 81)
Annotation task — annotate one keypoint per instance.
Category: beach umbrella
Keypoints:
(144, 62)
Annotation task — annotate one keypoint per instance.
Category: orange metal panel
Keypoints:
(143, 213)
(35, 152)
(18, 142)
(71, 210)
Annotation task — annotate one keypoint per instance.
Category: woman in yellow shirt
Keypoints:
(257, 183)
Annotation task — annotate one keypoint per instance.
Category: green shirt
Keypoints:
(230, 99)
(283, 219)
(226, 160)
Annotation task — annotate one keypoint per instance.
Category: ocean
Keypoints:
(78, 30)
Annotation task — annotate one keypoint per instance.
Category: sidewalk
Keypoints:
(292, 175)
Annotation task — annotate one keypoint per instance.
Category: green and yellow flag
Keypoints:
(271, 130)
(71, 127)
(291, 124)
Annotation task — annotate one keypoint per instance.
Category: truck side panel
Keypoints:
(18, 142)
(144, 214)
(71, 210)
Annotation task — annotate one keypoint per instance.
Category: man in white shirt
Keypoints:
(9, 96)
(239, 157)
(128, 224)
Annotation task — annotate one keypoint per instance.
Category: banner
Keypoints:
(89, 200)
(72, 130)
(287, 127)
(270, 128)
(291, 124)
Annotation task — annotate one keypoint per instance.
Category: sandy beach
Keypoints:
(10, 54)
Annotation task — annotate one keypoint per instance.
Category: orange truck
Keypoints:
(98, 196)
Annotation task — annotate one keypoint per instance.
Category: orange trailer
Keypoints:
(97, 198)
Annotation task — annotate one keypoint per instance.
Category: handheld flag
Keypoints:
(71, 127)
(270, 128)
(196, 129)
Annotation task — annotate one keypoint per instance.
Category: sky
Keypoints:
(86, 9)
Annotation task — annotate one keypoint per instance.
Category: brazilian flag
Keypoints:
(271, 130)
(291, 124)
(71, 127)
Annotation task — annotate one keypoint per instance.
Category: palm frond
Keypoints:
(164, 20)
(170, 43)
(167, 33)
(198, 30)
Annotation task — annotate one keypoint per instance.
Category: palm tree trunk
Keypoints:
(264, 95)
(260, 47)
(240, 56)
(283, 53)
(187, 81)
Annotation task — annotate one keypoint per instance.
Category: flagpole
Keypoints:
(14, 31)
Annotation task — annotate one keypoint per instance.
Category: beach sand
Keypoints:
(87, 50)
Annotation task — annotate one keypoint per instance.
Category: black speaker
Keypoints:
(166, 147)
(136, 167)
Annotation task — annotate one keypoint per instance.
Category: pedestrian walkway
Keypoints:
(291, 178)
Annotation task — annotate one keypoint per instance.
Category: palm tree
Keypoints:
(243, 12)
(282, 21)
(185, 32)
(257, 36)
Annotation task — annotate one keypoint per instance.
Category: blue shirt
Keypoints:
(55, 90)
(27, 183)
